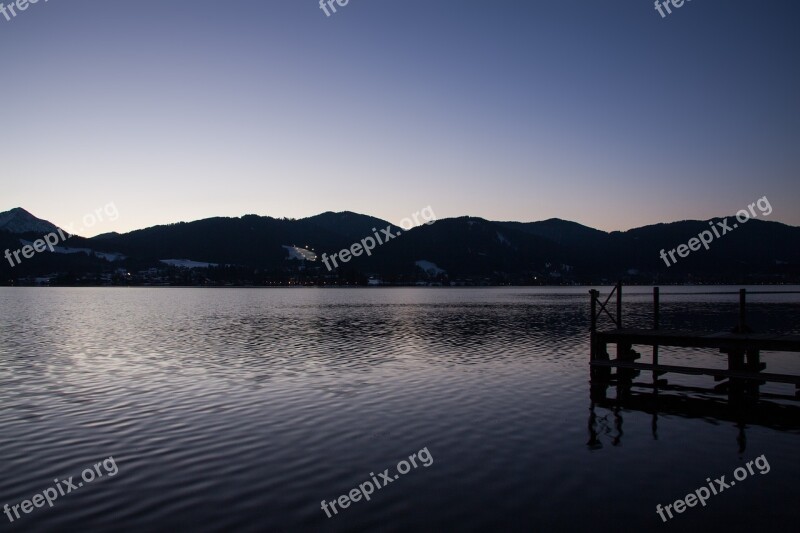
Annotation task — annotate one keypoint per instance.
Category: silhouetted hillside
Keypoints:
(466, 250)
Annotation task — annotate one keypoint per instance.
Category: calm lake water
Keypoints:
(242, 409)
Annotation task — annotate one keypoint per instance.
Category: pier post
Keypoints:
(754, 363)
(597, 351)
(656, 299)
(736, 386)
(742, 310)
(619, 305)
(593, 325)
(656, 319)
(742, 327)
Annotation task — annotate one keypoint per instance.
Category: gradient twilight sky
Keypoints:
(595, 111)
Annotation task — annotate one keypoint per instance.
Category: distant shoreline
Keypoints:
(296, 287)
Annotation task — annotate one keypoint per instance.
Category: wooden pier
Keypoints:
(742, 346)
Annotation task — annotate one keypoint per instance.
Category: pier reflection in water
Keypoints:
(739, 403)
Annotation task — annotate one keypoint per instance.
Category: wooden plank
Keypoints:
(698, 371)
(696, 339)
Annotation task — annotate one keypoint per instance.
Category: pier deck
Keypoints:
(742, 346)
(702, 339)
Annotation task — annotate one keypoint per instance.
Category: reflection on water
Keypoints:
(243, 409)
(742, 406)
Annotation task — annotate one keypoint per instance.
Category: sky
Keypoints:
(600, 112)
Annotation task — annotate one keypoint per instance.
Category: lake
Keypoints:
(244, 409)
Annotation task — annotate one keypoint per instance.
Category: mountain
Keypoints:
(467, 247)
(755, 248)
(349, 225)
(560, 231)
(18, 220)
(261, 250)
